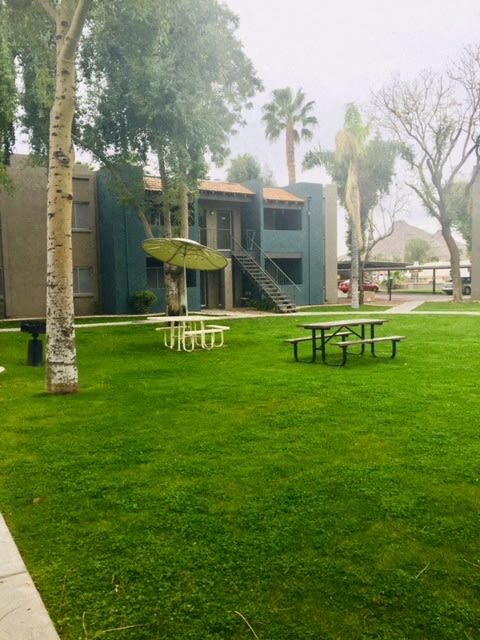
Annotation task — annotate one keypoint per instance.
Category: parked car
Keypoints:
(344, 286)
(466, 286)
(367, 286)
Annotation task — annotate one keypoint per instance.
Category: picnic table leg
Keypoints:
(220, 339)
(372, 336)
(362, 348)
(314, 345)
(323, 346)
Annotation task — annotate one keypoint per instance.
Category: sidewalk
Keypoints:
(406, 307)
(22, 613)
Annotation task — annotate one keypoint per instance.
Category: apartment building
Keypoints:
(280, 244)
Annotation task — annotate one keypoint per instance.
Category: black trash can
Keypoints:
(35, 346)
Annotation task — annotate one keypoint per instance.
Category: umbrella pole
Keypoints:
(186, 288)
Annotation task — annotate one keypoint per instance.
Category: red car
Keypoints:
(344, 286)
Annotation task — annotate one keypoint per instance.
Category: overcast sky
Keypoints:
(337, 52)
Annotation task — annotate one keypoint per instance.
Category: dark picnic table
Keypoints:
(341, 332)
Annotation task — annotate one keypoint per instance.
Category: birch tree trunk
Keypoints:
(61, 369)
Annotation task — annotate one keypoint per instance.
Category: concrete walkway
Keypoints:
(22, 613)
(406, 307)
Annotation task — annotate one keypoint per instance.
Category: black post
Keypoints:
(35, 352)
(389, 285)
(35, 346)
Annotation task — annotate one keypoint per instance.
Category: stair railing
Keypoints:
(269, 267)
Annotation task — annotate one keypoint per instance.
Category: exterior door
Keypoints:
(224, 230)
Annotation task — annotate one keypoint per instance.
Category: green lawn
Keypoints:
(235, 494)
(448, 305)
(334, 308)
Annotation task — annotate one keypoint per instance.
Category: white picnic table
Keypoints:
(185, 333)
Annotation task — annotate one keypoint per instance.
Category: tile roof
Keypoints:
(280, 195)
(152, 184)
(155, 184)
(226, 187)
(270, 194)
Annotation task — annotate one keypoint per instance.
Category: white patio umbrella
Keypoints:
(186, 253)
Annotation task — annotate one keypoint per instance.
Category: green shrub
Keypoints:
(143, 301)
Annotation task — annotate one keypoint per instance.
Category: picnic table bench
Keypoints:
(322, 333)
(345, 345)
(296, 341)
(185, 333)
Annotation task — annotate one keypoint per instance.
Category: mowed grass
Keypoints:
(235, 494)
(466, 306)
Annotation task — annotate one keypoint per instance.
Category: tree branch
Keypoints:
(76, 26)
(49, 9)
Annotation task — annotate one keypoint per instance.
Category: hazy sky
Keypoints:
(337, 52)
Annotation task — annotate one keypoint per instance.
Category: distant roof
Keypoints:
(270, 194)
(345, 264)
(155, 184)
(226, 187)
(280, 195)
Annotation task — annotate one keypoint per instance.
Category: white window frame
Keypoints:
(83, 282)
(81, 222)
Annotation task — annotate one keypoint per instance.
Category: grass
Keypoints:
(448, 305)
(347, 308)
(236, 494)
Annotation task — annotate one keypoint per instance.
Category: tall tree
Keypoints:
(349, 143)
(45, 35)
(363, 170)
(437, 119)
(290, 114)
(242, 168)
(69, 18)
(8, 97)
(170, 78)
(417, 250)
(33, 38)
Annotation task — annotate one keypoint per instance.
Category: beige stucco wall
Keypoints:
(23, 240)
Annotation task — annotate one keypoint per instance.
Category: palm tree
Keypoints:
(363, 170)
(347, 148)
(291, 114)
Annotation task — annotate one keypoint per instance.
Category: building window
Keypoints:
(292, 267)
(283, 220)
(81, 217)
(83, 280)
(155, 276)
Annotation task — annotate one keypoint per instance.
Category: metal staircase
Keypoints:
(269, 283)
